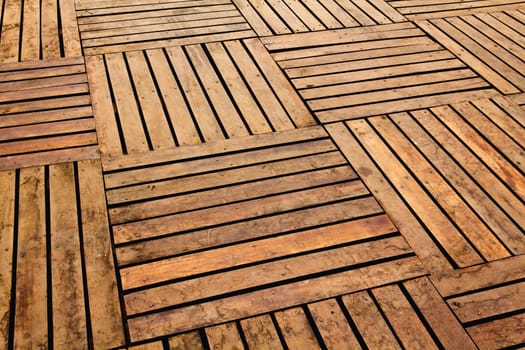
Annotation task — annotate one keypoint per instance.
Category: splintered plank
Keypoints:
(284, 16)
(7, 240)
(31, 314)
(372, 73)
(106, 319)
(296, 330)
(478, 44)
(113, 27)
(46, 113)
(188, 95)
(69, 321)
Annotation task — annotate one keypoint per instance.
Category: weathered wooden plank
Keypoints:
(482, 276)
(69, 316)
(191, 340)
(224, 336)
(368, 320)
(10, 39)
(508, 331)
(31, 308)
(106, 319)
(296, 329)
(49, 31)
(260, 333)
(488, 303)
(8, 191)
(47, 129)
(332, 325)
(69, 29)
(444, 324)
(30, 38)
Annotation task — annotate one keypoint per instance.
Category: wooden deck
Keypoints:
(262, 174)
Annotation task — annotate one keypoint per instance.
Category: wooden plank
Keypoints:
(328, 20)
(191, 340)
(11, 96)
(508, 331)
(30, 39)
(332, 325)
(343, 17)
(274, 298)
(156, 124)
(260, 88)
(49, 30)
(480, 172)
(223, 258)
(9, 41)
(215, 148)
(444, 324)
(7, 240)
(296, 330)
(229, 194)
(49, 157)
(466, 220)
(48, 143)
(256, 22)
(45, 116)
(148, 346)
(23, 68)
(107, 129)
(300, 267)
(239, 232)
(289, 98)
(240, 92)
(69, 316)
(361, 17)
(47, 129)
(439, 225)
(488, 303)
(260, 333)
(69, 29)
(31, 308)
(372, 327)
(472, 193)
(226, 112)
(408, 225)
(178, 112)
(403, 318)
(208, 125)
(30, 85)
(106, 319)
(479, 277)
(128, 114)
(289, 18)
(224, 336)
(305, 14)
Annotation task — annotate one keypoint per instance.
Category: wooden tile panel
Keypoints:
(110, 27)
(458, 170)
(32, 30)
(425, 9)
(45, 113)
(286, 16)
(56, 257)
(491, 44)
(353, 73)
(246, 232)
(488, 300)
(188, 95)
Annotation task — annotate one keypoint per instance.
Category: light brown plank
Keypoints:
(106, 320)
(260, 333)
(296, 330)
(69, 316)
(30, 322)
(224, 336)
(191, 340)
(500, 333)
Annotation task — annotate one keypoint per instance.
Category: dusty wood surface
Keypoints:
(277, 174)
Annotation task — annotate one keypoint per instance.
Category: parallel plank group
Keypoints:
(262, 174)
